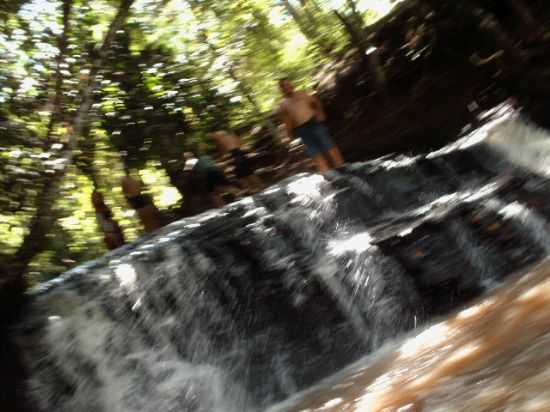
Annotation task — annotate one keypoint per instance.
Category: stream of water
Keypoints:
(491, 356)
(262, 305)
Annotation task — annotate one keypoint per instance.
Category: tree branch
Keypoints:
(62, 50)
(35, 240)
(308, 31)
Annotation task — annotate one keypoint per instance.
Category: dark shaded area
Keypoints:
(13, 374)
(437, 88)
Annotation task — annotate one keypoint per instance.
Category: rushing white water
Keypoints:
(492, 356)
(523, 144)
(240, 308)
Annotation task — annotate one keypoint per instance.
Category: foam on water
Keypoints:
(523, 144)
(493, 355)
(240, 308)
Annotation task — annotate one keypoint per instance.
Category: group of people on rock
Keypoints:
(303, 117)
(213, 176)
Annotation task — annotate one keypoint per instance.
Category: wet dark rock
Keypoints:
(237, 308)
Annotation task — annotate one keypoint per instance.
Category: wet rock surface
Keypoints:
(238, 308)
(491, 356)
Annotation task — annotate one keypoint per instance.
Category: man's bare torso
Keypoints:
(298, 108)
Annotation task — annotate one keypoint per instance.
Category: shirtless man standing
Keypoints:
(229, 143)
(303, 115)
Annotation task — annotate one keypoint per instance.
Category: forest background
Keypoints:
(90, 90)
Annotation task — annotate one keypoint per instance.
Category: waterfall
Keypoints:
(239, 308)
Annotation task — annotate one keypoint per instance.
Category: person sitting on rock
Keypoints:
(146, 210)
(205, 170)
(230, 143)
(112, 233)
(304, 116)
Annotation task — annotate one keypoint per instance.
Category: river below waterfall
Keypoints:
(249, 307)
(491, 356)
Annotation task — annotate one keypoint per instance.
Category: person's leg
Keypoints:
(245, 184)
(244, 171)
(311, 138)
(329, 149)
(335, 157)
(146, 210)
(149, 217)
(255, 182)
(226, 190)
(321, 163)
(215, 180)
(217, 199)
(230, 189)
(251, 183)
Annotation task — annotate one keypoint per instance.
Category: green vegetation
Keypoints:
(91, 89)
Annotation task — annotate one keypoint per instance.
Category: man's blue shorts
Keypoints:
(315, 137)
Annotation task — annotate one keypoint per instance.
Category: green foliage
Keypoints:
(176, 71)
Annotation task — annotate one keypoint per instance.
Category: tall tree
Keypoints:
(35, 240)
(230, 65)
(358, 20)
(39, 224)
(244, 89)
(307, 26)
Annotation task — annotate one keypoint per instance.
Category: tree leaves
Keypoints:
(135, 95)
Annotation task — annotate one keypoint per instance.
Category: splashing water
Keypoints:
(492, 356)
(241, 308)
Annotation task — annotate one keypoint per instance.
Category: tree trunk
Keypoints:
(358, 20)
(174, 170)
(62, 47)
(33, 243)
(245, 91)
(309, 32)
(370, 57)
(356, 39)
(81, 119)
(310, 21)
(378, 74)
(35, 240)
(315, 4)
(243, 88)
(204, 81)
